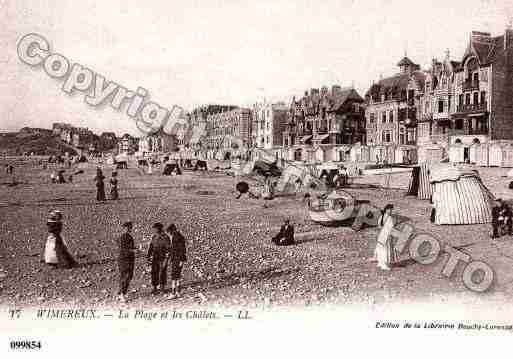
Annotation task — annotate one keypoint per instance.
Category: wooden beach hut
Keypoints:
(459, 196)
(419, 182)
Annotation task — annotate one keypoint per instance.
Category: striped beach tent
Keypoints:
(419, 182)
(460, 197)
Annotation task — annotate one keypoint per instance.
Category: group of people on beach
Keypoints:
(100, 185)
(166, 248)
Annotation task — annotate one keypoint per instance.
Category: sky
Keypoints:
(193, 53)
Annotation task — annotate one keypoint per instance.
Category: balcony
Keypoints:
(371, 126)
(482, 131)
(427, 117)
(441, 138)
(470, 85)
(441, 116)
(472, 108)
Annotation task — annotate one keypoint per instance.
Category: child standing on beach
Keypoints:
(177, 256)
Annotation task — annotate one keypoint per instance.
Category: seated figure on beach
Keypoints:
(286, 235)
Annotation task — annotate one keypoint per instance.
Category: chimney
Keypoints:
(508, 37)
(306, 93)
(314, 92)
(324, 90)
(335, 89)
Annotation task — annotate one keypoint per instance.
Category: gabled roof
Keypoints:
(331, 101)
(485, 51)
(455, 64)
(343, 96)
(405, 61)
(397, 82)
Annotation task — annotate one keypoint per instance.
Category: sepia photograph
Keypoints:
(280, 178)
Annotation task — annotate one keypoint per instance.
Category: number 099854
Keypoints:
(25, 344)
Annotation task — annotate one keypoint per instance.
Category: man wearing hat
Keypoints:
(158, 253)
(55, 253)
(126, 259)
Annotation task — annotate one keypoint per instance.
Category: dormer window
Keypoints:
(472, 68)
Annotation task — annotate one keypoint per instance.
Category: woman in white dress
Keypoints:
(56, 253)
(384, 253)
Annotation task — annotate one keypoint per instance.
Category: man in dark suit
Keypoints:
(126, 260)
(286, 235)
(157, 256)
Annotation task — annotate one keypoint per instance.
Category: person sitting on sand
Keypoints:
(56, 253)
(286, 235)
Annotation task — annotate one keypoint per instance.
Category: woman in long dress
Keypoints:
(384, 252)
(56, 253)
(100, 186)
(268, 190)
(114, 186)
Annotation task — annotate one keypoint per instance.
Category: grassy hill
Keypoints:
(17, 143)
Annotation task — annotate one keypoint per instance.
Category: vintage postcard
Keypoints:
(280, 178)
